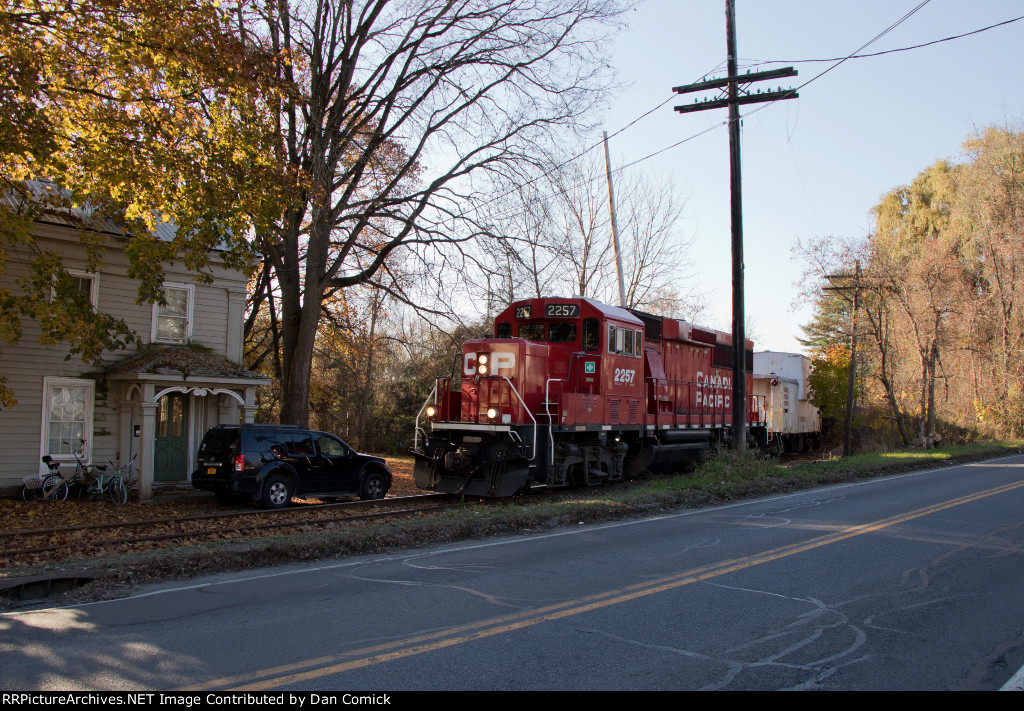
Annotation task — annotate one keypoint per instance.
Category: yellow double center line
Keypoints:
(298, 672)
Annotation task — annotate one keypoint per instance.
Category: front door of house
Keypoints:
(171, 450)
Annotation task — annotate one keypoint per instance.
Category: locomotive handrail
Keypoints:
(567, 379)
(416, 425)
(573, 358)
(533, 455)
(547, 411)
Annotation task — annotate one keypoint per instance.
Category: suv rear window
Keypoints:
(219, 441)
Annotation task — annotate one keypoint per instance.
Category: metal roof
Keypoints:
(74, 215)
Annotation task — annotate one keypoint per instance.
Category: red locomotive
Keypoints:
(572, 392)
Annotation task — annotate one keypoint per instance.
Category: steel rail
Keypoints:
(215, 515)
(203, 533)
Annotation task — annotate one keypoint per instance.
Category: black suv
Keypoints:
(273, 463)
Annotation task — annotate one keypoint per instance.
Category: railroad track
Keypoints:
(31, 546)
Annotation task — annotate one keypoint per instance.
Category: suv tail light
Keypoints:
(239, 463)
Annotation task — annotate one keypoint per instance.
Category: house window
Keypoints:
(67, 416)
(172, 322)
(85, 283)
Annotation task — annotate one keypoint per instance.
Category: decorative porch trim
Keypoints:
(200, 391)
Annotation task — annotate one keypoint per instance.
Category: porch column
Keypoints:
(147, 444)
(227, 410)
(127, 442)
(249, 408)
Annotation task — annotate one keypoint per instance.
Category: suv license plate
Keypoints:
(211, 470)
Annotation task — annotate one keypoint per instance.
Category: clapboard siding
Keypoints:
(217, 323)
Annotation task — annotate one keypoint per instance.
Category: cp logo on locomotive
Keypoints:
(499, 361)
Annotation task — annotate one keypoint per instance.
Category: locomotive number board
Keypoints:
(562, 310)
(523, 312)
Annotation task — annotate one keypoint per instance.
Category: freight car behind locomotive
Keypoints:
(573, 392)
(793, 421)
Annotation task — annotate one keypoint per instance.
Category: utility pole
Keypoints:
(737, 92)
(848, 434)
(615, 224)
(832, 278)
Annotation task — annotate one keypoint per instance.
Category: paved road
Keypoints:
(909, 582)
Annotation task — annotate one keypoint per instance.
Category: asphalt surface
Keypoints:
(907, 582)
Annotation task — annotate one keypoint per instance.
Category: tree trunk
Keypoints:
(933, 357)
(367, 385)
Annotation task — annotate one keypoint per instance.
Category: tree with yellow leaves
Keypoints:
(145, 111)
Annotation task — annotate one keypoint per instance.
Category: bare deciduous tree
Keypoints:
(399, 112)
(554, 237)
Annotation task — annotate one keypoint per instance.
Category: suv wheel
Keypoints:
(375, 486)
(277, 492)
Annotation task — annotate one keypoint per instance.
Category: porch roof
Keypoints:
(183, 363)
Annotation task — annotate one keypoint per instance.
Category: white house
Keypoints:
(156, 400)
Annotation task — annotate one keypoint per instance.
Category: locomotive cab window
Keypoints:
(503, 330)
(532, 331)
(562, 332)
(625, 341)
(591, 334)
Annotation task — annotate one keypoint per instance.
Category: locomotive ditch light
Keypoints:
(492, 413)
(431, 411)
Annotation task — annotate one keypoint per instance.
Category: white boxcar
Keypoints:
(780, 382)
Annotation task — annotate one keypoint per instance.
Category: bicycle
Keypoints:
(42, 485)
(116, 484)
(111, 485)
(53, 486)
(92, 480)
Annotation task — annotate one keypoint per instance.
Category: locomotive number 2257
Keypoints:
(624, 375)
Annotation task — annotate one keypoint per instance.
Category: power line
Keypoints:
(870, 42)
(758, 63)
(837, 61)
(585, 151)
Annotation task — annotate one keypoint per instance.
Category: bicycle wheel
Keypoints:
(30, 493)
(55, 488)
(117, 491)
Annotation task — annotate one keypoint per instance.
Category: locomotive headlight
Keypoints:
(492, 413)
(481, 369)
(431, 411)
(482, 359)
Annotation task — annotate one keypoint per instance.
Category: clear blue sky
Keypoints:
(815, 165)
